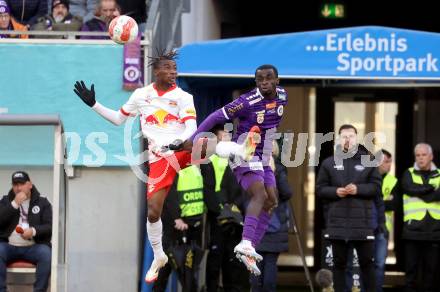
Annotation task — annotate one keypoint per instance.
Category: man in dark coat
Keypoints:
(349, 189)
(25, 230)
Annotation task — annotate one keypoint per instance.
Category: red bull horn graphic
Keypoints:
(160, 118)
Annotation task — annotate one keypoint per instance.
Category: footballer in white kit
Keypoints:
(164, 116)
(168, 117)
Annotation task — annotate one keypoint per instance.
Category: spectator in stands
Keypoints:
(7, 22)
(27, 12)
(104, 13)
(276, 239)
(25, 230)
(83, 8)
(59, 20)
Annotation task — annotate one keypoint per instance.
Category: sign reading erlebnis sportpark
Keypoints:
(353, 53)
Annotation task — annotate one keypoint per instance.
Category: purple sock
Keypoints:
(250, 225)
(263, 223)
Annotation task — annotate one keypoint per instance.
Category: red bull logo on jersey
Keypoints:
(161, 118)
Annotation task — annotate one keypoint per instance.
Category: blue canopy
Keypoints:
(369, 52)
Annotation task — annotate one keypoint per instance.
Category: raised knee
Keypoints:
(268, 205)
(262, 196)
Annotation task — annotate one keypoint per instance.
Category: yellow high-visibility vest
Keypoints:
(388, 183)
(219, 164)
(190, 190)
(415, 208)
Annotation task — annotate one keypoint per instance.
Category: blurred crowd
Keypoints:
(64, 15)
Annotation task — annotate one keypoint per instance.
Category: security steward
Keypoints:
(421, 211)
(182, 218)
(225, 202)
(225, 228)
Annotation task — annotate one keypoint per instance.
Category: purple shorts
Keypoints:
(246, 176)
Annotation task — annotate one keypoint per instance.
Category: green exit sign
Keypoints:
(333, 10)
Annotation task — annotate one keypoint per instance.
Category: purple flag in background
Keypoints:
(132, 76)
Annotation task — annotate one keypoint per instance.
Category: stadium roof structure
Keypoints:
(365, 53)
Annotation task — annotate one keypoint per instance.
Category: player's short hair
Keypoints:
(387, 153)
(267, 66)
(346, 127)
(161, 55)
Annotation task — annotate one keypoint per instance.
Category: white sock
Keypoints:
(154, 231)
(226, 148)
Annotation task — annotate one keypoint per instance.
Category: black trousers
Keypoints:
(221, 258)
(365, 251)
(187, 270)
(421, 263)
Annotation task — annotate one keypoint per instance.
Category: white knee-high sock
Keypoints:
(154, 231)
(226, 148)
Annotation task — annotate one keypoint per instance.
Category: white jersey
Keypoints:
(162, 115)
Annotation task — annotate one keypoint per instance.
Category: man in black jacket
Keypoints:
(25, 230)
(349, 189)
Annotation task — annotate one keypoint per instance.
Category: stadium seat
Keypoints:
(21, 266)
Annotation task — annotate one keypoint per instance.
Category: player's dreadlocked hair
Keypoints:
(161, 55)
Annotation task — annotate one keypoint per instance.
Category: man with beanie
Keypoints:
(60, 19)
(7, 22)
(25, 230)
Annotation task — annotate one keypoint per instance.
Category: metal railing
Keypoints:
(161, 31)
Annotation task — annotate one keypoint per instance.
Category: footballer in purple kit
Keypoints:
(259, 113)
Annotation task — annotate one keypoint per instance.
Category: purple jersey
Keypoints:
(253, 109)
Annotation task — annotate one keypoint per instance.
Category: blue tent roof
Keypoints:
(369, 52)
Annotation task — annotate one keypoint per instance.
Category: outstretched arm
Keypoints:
(88, 97)
(217, 117)
(229, 112)
(115, 117)
(213, 119)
